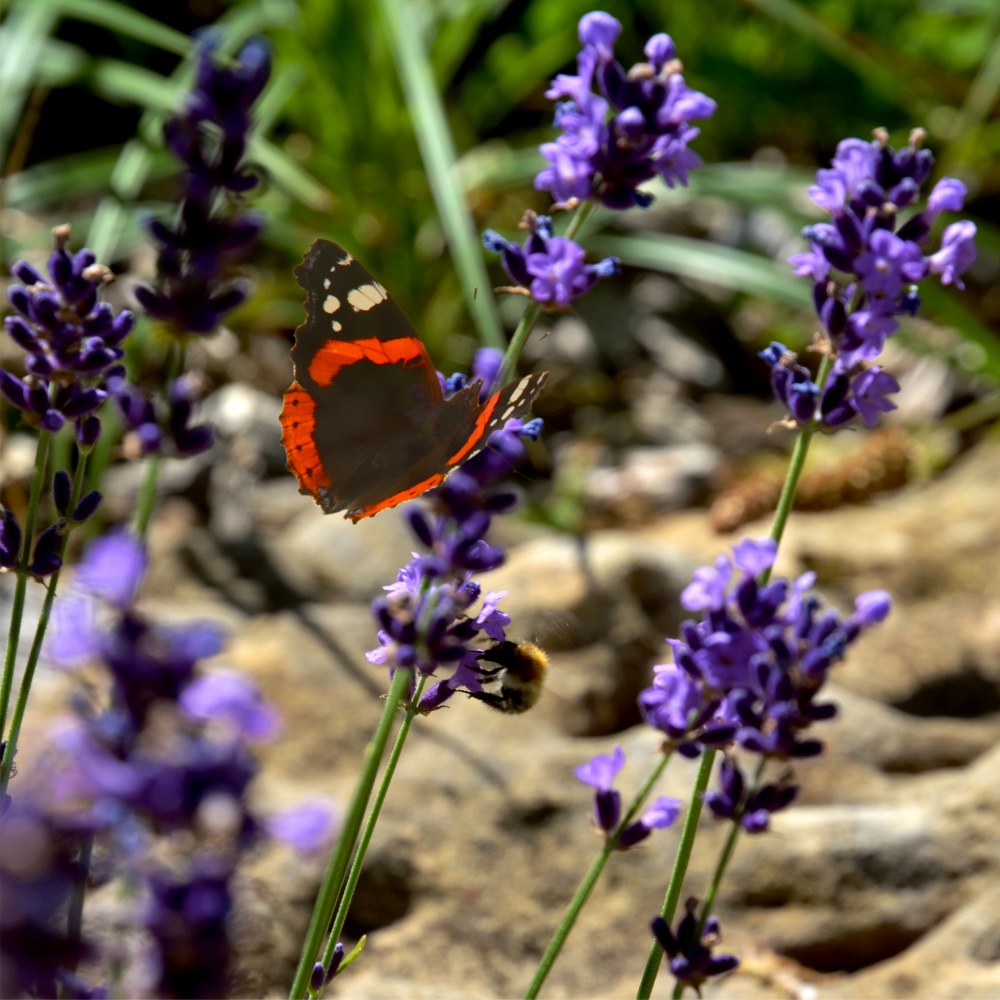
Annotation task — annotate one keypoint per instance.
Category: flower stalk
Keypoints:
(336, 871)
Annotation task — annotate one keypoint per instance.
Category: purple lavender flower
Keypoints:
(550, 267)
(752, 669)
(39, 868)
(147, 662)
(426, 621)
(10, 540)
(168, 432)
(187, 919)
(865, 265)
(600, 772)
(690, 952)
(210, 137)
(661, 814)
(186, 776)
(637, 128)
(752, 810)
(73, 342)
(957, 253)
(308, 827)
(228, 698)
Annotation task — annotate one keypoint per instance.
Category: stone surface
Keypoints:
(879, 882)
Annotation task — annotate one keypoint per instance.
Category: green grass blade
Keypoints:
(872, 71)
(733, 269)
(437, 149)
(126, 83)
(285, 173)
(26, 30)
(126, 20)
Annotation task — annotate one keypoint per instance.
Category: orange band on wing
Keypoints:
(337, 354)
(298, 424)
(397, 498)
(478, 429)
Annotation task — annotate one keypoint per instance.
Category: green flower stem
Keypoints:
(337, 868)
(588, 883)
(17, 608)
(795, 467)
(369, 830)
(146, 500)
(147, 496)
(79, 477)
(533, 308)
(727, 852)
(681, 860)
(720, 870)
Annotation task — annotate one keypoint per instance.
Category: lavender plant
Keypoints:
(73, 349)
(196, 250)
(164, 759)
(119, 776)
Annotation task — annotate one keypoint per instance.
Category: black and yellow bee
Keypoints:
(516, 680)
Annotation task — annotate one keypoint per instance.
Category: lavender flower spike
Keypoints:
(866, 263)
(73, 342)
(620, 129)
(197, 248)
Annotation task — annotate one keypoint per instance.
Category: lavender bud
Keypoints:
(62, 488)
(86, 507)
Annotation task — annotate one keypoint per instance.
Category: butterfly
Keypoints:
(365, 423)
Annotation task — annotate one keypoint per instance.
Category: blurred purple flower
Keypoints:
(308, 827)
(209, 136)
(229, 698)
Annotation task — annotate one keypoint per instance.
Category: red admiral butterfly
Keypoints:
(365, 424)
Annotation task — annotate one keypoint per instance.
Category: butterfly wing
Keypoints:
(365, 425)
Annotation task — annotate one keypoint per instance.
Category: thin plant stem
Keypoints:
(589, 881)
(21, 586)
(795, 466)
(727, 851)
(146, 500)
(720, 870)
(370, 823)
(681, 860)
(17, 718)
(533, 308)
(336, 869)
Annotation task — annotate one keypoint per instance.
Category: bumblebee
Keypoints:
(519, 674)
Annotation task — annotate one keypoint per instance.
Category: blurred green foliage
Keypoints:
(342, 160)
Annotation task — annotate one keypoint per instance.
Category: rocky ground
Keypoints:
(880, 882)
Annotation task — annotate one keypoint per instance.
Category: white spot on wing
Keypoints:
(331, 304)
(337, 327)
(326, 282)
(345, 260)
(366, 297)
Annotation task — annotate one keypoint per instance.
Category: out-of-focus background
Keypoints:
(656, 446)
